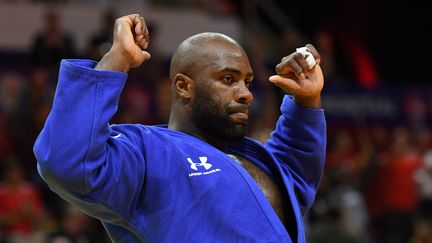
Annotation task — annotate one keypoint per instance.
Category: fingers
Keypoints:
(138, 22)
(146, 34)
(314, 52)
(142, 35)
(294, 63)
(298, 62)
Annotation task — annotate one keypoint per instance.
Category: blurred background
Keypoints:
(377, 185)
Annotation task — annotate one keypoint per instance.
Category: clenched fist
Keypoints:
(131, 39)
(303, 81)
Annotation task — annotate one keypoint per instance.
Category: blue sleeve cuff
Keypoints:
(86, 67)
(292, 109)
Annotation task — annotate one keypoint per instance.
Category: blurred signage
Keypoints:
(393, 104)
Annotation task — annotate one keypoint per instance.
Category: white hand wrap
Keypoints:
(308, 56)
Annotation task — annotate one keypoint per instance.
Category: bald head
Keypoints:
(199, 51)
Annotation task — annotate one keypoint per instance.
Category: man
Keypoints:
(198, 179)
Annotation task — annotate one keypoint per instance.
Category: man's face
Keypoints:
(222, 98)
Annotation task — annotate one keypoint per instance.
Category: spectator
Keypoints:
(52, 43)
(21, 207)
(399, 195)
(423, 225)
(12, 87)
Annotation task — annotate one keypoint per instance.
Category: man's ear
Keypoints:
(184, 86)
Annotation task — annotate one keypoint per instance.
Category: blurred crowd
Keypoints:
(377, 184)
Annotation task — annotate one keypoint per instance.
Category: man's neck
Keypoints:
(193, 130)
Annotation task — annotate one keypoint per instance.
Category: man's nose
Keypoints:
(243, 94)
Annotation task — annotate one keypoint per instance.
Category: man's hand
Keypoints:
(295, 77)
(131, 38)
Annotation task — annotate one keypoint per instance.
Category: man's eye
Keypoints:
(228, 79)
(248, 83)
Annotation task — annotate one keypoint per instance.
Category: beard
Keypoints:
(210, 117)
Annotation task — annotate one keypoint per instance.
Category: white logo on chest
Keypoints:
(203, 162)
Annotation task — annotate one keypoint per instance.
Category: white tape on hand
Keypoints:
(310, 59)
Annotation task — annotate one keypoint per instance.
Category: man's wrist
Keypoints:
(114, 60)
(309, 102)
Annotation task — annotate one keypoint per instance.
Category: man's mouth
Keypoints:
(240, 115)
(239, 112)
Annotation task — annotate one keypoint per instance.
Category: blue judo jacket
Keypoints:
(153, 184)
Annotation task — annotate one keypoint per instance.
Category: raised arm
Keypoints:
(80, 156)
(299, 140)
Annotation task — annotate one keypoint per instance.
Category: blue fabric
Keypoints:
(152, 184)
